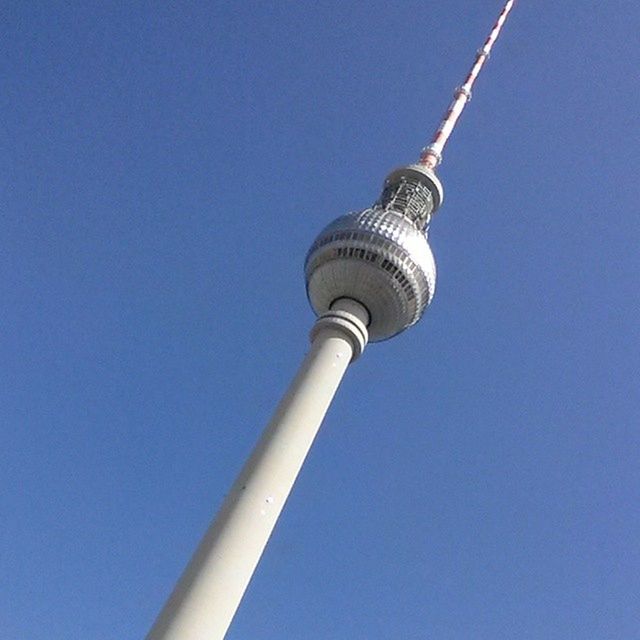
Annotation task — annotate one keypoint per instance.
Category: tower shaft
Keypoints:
(207, 595)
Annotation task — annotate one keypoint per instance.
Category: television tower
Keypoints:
(369, 276)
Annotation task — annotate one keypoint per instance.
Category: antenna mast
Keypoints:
(432, 153)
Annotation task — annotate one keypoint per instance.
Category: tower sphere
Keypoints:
(380, 256)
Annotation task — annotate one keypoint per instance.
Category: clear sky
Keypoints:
(164, 168)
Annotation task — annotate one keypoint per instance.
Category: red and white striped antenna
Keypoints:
(432, 153)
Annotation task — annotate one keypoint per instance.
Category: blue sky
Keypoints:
(164, 168)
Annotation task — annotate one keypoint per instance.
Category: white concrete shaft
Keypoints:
(207, 595)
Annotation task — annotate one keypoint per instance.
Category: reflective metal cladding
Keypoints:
(380, 256)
